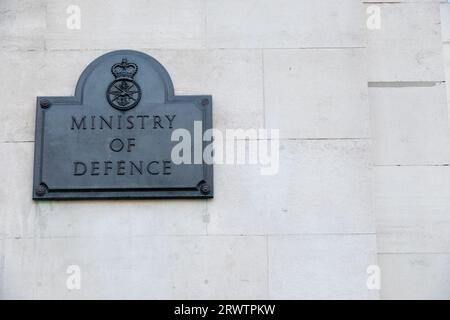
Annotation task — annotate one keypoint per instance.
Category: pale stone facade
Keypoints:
(364, 174)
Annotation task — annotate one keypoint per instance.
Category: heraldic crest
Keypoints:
(124, 93)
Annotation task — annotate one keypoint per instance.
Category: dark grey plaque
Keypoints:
(112, 140)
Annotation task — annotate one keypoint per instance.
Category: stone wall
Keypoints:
(410, 131)
(364, 153)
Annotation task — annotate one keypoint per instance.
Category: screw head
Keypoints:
(205, 189)
(45, 103)
(205, 102)
(41, 190)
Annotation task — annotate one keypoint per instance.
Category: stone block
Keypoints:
(410, 125)
(411, 206)
(138, 24)
(321, 187)
(317, 93)
(22, 25)
(408, 45)
(415, 276)
(284, 24)
(127, 267)
(321, 266)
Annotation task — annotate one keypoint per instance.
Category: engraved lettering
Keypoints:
(119, 122)
(130, 122)
(121, 168)
(157, 121)
(138, 169)
(116, 145)
(103, 121)
(78, 124)
(131, 143)
(95, 167)
(108, 167)
(167, 167)
(76, 168)
(113, 139)
(142, 121)
(170, 120)
(149, 168)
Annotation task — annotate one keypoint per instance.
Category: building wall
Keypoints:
(363, 154)
(410, 131)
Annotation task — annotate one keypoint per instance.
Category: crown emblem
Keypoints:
(124, 93)
(124, 69)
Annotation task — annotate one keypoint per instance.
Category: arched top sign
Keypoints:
(114, 138)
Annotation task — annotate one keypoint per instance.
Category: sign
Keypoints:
(114, 138)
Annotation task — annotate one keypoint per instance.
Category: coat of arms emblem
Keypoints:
(124, 93)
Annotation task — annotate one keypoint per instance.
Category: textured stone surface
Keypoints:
(307, 232)
(36, 73)
(408, 45)
(410, 125)
(317, 93)
(193, 72)
(17, 208)
(412, 206)
(141, 24)
(22, 25)
(445, 20)
(233, 77)
(285, 203)
(410, 128)
(447, 71)
(415, 276)
(294, 201)
(161, 267)
(321, 266)
(402, 1)
(275, 24)
(22, 217)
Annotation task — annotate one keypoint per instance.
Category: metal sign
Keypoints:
(114, 138)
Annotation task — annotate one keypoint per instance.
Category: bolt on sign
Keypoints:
(113, 139)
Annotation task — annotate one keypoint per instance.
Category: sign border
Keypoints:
(203, 189)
